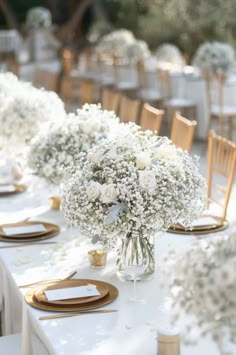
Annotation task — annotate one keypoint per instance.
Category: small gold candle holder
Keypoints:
(55, 202)
(168, 345)
(97, 258)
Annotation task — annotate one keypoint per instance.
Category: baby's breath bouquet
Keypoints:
(23, 109)
(203, 288)
(131, 186)
(57, 149)
(214, 57)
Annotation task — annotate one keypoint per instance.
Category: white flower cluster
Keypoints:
(38, 17)
(203, 286)
(24, 108)
(124, 44)
(52, 152)
(133, 182)
(214, 57)
(168, 53)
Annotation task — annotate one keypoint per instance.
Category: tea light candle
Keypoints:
(168, 342)
(55, 202)
(97, 258)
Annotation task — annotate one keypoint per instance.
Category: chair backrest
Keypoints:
(151, 118)
(110, 100)
(182, 132)
(46, 79)
(142, 74)
(86, 92)
(129, 109)
(222, 163)
(67, 61)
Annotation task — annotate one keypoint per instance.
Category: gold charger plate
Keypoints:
(18, 188)
(206, 230)
(41, 297)
(110, 297)
(51, 231)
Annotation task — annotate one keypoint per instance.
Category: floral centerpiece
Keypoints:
(214, 57)
(203, 287)
(57, 149)
(129, 187)
(23, 109)
(38, 17)
(137, 51)
(168, 53)
(115, 42)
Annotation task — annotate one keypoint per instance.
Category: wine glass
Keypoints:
(135, 271)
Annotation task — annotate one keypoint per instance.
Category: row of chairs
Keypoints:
(182, 131)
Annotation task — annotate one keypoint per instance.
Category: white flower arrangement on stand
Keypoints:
(56, 150)
(203, 288)
(131, 186)
(214, 57)
(137, 51)
(169, 53)
(23, 109)
(115, 42)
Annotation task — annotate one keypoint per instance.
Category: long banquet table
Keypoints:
(130, 331)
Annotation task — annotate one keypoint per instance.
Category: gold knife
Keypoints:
(65, 315)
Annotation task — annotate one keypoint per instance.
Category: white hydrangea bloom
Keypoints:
(169, 53)
(58, 148)
(214, 57)
(134, 194)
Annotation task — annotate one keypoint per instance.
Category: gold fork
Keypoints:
(47, 281)
(65, 315)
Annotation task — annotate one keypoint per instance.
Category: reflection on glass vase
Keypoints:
(136, 257)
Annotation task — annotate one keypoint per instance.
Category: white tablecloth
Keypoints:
(130, 331)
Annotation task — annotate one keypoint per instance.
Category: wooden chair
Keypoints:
(182, 132)
(184, 105)
(46, 79)
(221, 163)
(110, 100)
(223, 113)
(67, 61)
(129, 110)
(86, 92)
(151, 118)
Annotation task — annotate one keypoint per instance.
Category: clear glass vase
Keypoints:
(136, 252)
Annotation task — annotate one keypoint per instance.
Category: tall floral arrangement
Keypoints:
(23, 109)
(137, 51)
(38, 18)
(169, 53)
(57, 149)
(115, 42)
(214, 57)
(133, 183)
(203, 287)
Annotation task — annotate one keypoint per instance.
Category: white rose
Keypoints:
(108, 193)
(168, 152)
(143, 161)
(147, 180)
(93, 190)
(95, 158)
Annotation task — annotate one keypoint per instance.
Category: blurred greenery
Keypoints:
(185, 23)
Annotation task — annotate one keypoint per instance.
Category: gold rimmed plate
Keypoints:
(51, 231)
(41, 297)
(200, 229)
(112, 294)
(11, 189)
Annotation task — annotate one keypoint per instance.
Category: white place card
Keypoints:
(34, 228)
(204, 221)
(71, 292)
(7, 188)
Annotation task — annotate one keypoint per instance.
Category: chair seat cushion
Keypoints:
(150, 95)
(179, 102)
(226, 110)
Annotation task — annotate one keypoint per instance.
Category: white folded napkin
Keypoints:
(71, 292)
(35, 228)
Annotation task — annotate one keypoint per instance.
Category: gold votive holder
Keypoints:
(168, 344)
(97, 258)
(55, 202)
